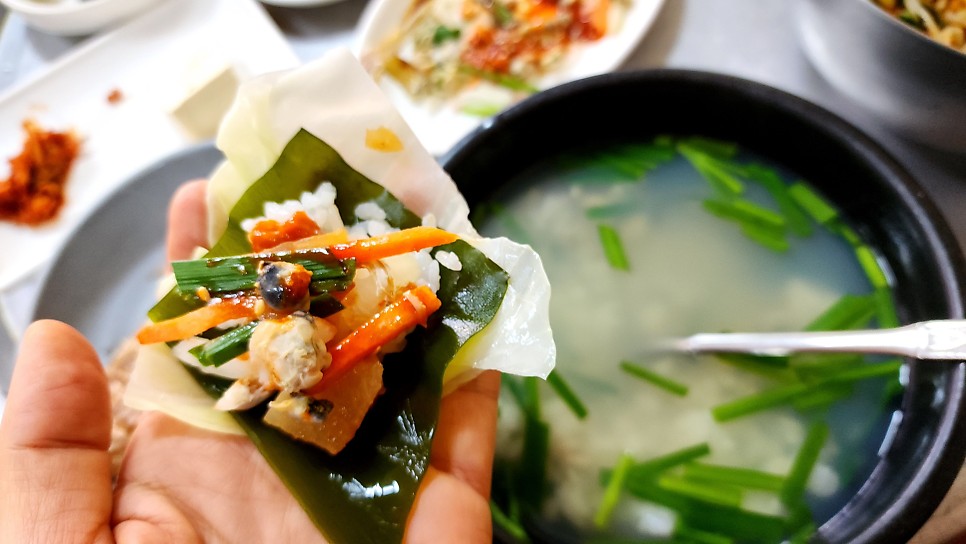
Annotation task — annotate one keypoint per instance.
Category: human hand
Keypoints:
(183, 484)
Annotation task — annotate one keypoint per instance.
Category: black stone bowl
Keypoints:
(878, 197)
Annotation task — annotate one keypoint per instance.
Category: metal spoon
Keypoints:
(939, 339)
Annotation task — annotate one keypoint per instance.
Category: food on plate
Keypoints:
(344, 293)
(663, 238)
(941, 20)
(34, 192)
(443, 47)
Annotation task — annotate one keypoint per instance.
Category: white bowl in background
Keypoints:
(76, 17)
(911, 83)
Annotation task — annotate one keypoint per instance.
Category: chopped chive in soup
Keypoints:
(746, 448)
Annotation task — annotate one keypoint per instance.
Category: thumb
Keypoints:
(55, 471)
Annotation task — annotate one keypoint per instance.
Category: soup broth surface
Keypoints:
(687, 271)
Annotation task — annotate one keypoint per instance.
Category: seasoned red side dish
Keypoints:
(34, 192)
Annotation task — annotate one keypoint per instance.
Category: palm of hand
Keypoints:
(183, 484)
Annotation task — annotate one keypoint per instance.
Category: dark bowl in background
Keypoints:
(878, 197)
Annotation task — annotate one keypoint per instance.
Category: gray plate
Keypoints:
(104, 280)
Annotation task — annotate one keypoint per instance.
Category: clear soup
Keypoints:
(666, 238)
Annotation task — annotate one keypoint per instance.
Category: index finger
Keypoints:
(187, 220)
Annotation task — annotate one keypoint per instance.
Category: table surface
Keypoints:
(746, 38)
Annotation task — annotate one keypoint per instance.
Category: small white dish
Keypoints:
(440, 125)
(77, 17)
(299, 3)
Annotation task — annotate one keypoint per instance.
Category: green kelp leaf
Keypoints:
(364, 494)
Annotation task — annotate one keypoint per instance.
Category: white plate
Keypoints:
(439, 128)
(299, 3)
(151, 60)
(105, 279)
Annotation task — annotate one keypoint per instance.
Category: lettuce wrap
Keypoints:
(287, 134)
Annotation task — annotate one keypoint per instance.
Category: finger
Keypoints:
(54, 467)
(447, 509)
(187, 220)
(466, 432)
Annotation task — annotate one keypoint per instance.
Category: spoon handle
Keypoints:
(939, 339)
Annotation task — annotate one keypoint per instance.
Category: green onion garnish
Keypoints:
(885, 308)
(508, 524)
(849, 312)
(228, 274)
(870, 265)
(685, 533)
(745, 211)
(757, 402)
(647, 470)
(654, 378)
(715, 493)
(793, 491)
(613, 249)
(812, 203)
(481, 109)
(768, 237)
(741, 477)
(224, 348)
(532, 475)
(798, 222)
(444, 34)
(566, 393)
(613, 490)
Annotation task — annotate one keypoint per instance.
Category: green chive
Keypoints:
(813, 204)
(691, 535)
(228, 274)
(654, 378)
(822, 398)
(713, 493)
(226, 347)
(711, 147)
(613, 490)
(849, 312)
(741, 477)
(508, 81)
(885, 308)
(511, 526)
(720, 178)
(566, 393)
(481, 109)
(745, 211)
(742, 525)
(798, 222)
(613, 249)
(870, 265)
(770, 398)
(647, 470)
(444, 34)
(767, 237)
(794, 489)
(532, 475)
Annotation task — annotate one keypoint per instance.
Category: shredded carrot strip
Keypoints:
(598, 17)
(372, 249)
(197, 321)
(397, 318)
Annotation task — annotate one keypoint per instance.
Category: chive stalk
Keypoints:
(714, 493)
(849, 312)
(613, 491)
(225, 347)
(511, 526)
(667, 384)
(613, 248)
(240, 273)
(793, 491)
(566, 393)
(813, 203)
(741, 477)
